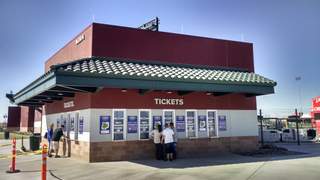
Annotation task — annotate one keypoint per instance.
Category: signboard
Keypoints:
(222, 122)
(191, 124)
(68, 104)
(58, 123)
(118, 129)
(156, 120)
(81, 125)
(152, 25)
(211, 123)
(180, 124)
(162, 101)
(132, 124)
(202, 121)
(105, 124)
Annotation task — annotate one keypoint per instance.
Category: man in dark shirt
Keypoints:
(57, 134)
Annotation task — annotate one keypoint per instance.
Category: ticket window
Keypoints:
(211, 117)
(191, 124)
(144, 123)
(118, 125)
(168, 117)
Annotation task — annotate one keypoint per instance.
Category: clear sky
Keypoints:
(285, 34)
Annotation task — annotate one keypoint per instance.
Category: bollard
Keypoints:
(44, 162)
(12, 168)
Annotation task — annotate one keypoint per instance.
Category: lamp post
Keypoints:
(298, 78)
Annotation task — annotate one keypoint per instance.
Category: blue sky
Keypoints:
(285, 34)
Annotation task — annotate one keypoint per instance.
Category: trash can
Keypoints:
(6, 134)
(35, 142)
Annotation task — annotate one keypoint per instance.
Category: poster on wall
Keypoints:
(118, 129)
(72, 124)
(132, 124)
(156, 120)
(180, 124)
(58, 123)
(144, 124)
(105, 124)
(202, 121)
(211, 123)
(222, 123)
(81, 125)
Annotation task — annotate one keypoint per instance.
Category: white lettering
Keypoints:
(160, 101)
(68, 104)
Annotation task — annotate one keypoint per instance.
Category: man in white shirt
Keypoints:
(168, 140)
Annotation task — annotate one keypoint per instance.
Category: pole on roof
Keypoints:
(261, 126)
(297, 127)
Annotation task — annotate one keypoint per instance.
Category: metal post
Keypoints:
(297, 127)
(261, 127)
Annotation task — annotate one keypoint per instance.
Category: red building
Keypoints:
(110, 85)
(22, 118)
(315, 114)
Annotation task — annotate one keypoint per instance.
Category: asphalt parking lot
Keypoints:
(229, 166)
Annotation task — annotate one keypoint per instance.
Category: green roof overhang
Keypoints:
(66, 79)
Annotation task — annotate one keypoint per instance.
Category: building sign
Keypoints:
(180, 124)
(105, 124)
(80, 39)
(160, 101)
(222, 123)
(132, 124)
(156, 120)
(68, 104)
(81, 125)
(144, 124)
(202, 121)
(212, 123)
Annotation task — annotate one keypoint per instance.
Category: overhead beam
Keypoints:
(54, 98)
(252, 95)
(59, 94)
(181, 93)
(143, 91)
(220, 93)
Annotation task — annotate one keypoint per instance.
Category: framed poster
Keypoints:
(156, 120)
(81, 125)
(72, 124)
(180, 124)
(211, 123)
(222, 120)
(144, 124)
(105, 124)
(202, 121)
(58, 123)
(132, 124)
(191, 123)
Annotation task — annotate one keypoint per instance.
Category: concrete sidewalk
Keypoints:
(229, 166)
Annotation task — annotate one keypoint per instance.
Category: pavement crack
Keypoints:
(53, 175)
(255, 172)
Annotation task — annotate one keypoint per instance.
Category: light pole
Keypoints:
(298, 78)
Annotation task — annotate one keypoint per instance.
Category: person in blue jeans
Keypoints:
(49, 137)
(175, 140)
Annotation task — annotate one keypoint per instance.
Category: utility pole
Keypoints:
(297, 126)
(261, 127)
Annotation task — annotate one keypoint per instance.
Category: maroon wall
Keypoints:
(123, 42)
(114, 98)
(116, 41)
(13, 118)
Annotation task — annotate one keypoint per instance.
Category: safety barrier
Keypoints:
(12, 167)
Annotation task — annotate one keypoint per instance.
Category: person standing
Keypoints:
(167, 138)
(57, 134)
(49, 137)
(175, 140)
(156, 135)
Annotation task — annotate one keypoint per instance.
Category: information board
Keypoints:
(144, 124)
(105, 124)
(191, 124)
(202, 121)
(156, 120)
(81, 125)
(132, 124)
(222, 123)
(180, 124)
